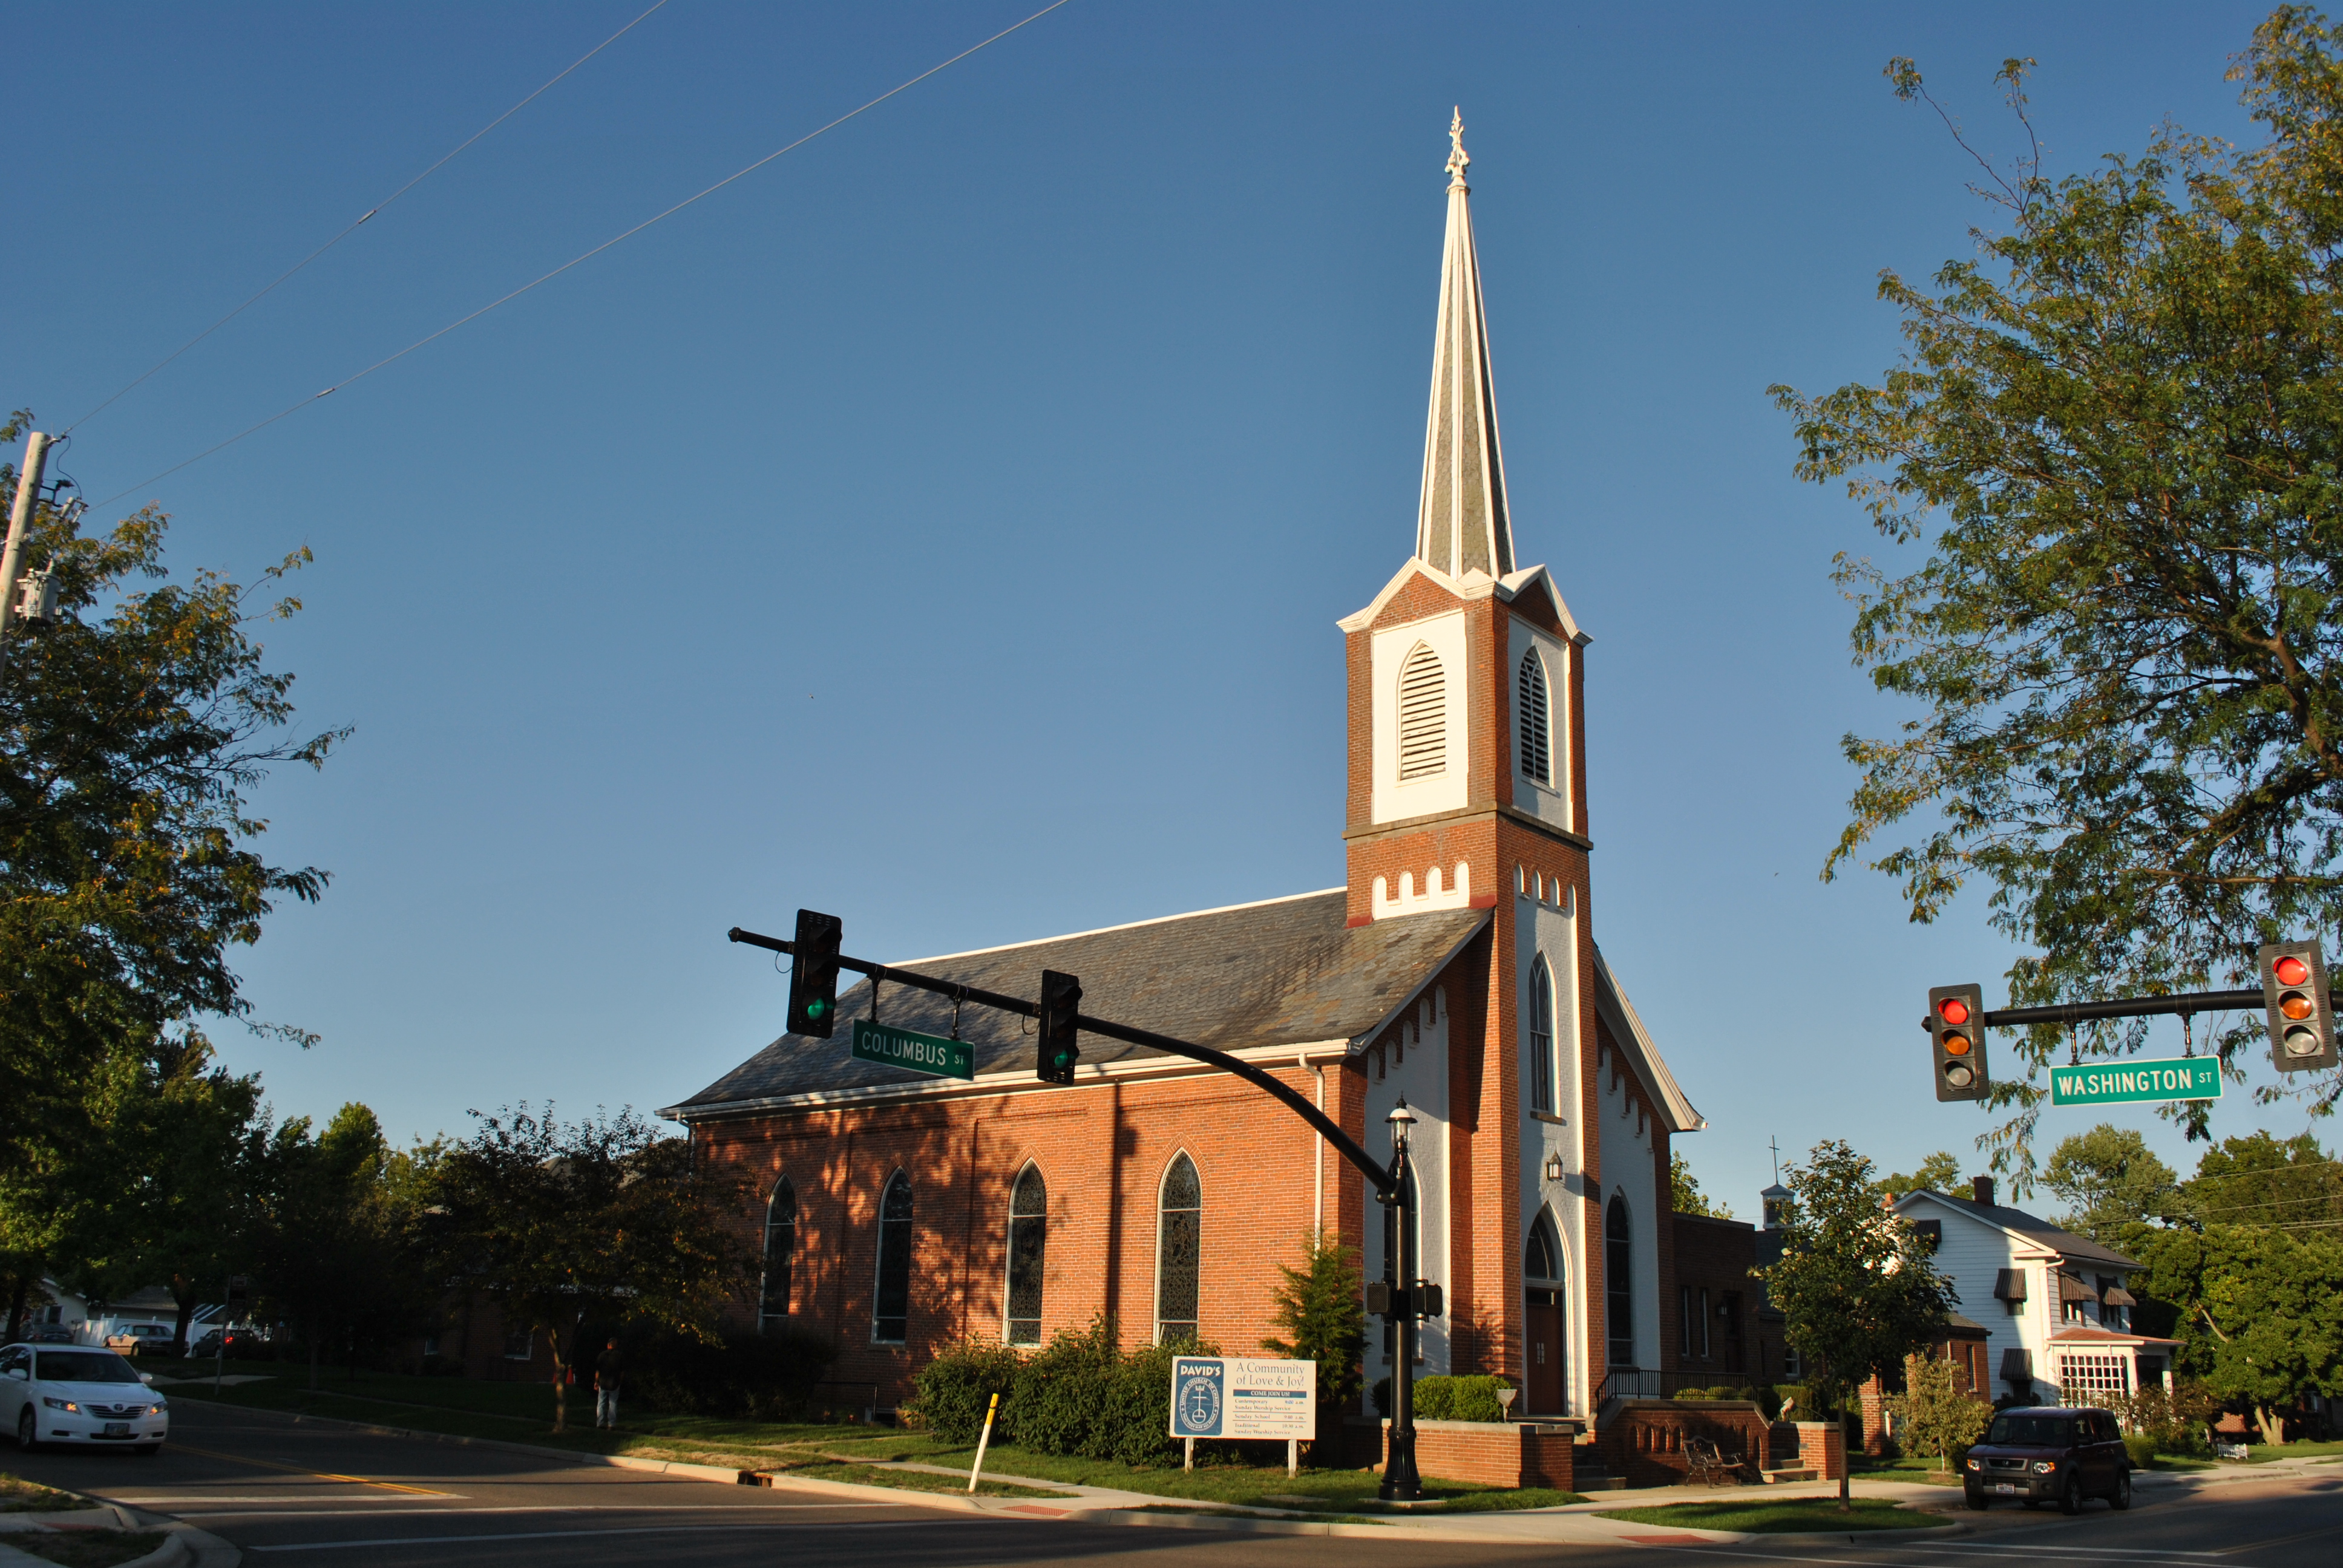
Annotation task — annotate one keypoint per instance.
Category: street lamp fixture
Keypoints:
(1401, 1482)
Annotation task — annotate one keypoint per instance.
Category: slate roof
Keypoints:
(1285, 973)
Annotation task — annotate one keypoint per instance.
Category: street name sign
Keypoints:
(930, 1053)
(2107, 1083)
(1243, 1397)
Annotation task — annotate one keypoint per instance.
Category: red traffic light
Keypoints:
(1953, 1010)
(2291, 970)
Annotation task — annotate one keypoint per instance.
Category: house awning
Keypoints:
(2071, 1289)
(2016, 1365)
(2116, 1296)
(2009, 1284)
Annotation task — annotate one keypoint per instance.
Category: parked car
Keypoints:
(238, 1339)
(2046, 1453)
(129, 1338)
(54, 1334)
(79, 1396)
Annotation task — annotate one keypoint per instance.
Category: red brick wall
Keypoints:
(1822, 1448)
(1492, 1453)
(1645, 1445)
(1716, 1255)
(1102, 1150)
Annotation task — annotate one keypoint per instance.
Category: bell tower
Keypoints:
(1467, 791)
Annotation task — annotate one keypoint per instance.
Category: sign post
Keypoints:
(1237, 1397)
(2113, 1084)
(908, 1047)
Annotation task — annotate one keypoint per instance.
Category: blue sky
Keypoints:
(945, 525)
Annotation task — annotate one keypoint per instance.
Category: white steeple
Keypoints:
(1462, 524)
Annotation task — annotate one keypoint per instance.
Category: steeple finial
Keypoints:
(1461, 521)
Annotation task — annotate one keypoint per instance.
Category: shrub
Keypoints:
(742, 1376)
(1783, 1393)
(1064, 1398)
(1320, 1314)
(1141, 1403)
(955, 1389)
(1459, 1399)
(1933, 1414)
(2175, 1420)
(2142, 1447)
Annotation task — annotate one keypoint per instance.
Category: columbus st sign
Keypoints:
(930, 1053)
(2107, 1083)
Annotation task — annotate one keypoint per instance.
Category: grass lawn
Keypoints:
(1791, 1514)
(2262, 1453)
(20, 1496)
(523, 1413)
(87, 1548)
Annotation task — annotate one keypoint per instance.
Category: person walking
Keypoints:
(606, 1386)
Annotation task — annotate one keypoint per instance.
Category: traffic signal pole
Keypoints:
(2117, 1006)
(1400, 1479)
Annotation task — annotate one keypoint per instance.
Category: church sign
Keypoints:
(2175, 1078)
(930, 1053)
(1243, 1397)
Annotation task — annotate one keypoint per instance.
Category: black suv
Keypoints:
(2050, 1451)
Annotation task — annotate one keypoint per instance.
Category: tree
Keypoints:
(1688, 1199)
(2263, 1181)
(598, 1219)
(1939, 1172)
(1855, 1284)
(2108, 1179)
(2261, 1311)
(2115, 435)
(1321, 1317)
(131, 730)
(338, 1242)
(1934, 1414)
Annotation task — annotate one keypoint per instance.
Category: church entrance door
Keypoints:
(1545, 1395)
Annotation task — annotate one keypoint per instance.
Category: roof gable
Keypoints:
(2021, 1226)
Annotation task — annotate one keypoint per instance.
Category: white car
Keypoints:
(74, 1395)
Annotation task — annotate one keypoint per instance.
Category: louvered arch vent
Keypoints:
(1422, 715)
(1537, 750)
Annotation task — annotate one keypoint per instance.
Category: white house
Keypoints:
(2056, 1315)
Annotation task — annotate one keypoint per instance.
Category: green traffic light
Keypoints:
(816, 1008)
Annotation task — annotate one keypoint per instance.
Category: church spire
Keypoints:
(1462, 524)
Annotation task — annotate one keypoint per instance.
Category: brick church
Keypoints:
(1457, 966)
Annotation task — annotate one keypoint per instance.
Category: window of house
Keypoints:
(890, 1303)
(1618, 1282)
(1422, 715)
(1537, 757)
(781, 1251)
(1541, 1011)
(1931, 1233)
(1684, 1321)
(1793, 1366)
(1542, 1259)
(1029, 1225)
(517, 1345)
(1179, 1250)
(1703, 1323)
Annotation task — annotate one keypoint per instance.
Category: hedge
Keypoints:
(1082, 1395)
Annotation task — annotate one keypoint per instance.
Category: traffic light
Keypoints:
(813, 978)
(1062, 999)
(2301, 1012)
(1957, 1028)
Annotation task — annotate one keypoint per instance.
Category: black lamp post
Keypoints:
(1400, 1480)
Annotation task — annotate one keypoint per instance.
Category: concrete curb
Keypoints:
(1832, 1537)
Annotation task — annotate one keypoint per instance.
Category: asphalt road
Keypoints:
(298, 1495)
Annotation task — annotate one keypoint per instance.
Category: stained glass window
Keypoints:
(1541, 1036)
(1619, 1283)
(780, 1251)
(1028, 1226)
(1179, 1249)
(891, 1309)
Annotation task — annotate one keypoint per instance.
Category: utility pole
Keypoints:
(28, 490)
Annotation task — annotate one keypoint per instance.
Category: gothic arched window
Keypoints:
(1179, 1250)
(1619, 1283)
(1422, 715)
(890, 1305)
(1541, 1022)
(780, 1251)
(1542, 1259)
(1028, 1226)
(1537, 751)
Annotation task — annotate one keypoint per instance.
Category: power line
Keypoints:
(352, 226)
(574, 261)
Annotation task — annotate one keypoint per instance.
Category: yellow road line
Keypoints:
(2278, 1541)
(319, 1475)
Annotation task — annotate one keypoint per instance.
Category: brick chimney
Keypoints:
(1981, 1189)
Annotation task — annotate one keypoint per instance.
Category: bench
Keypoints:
(1707, 1467)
